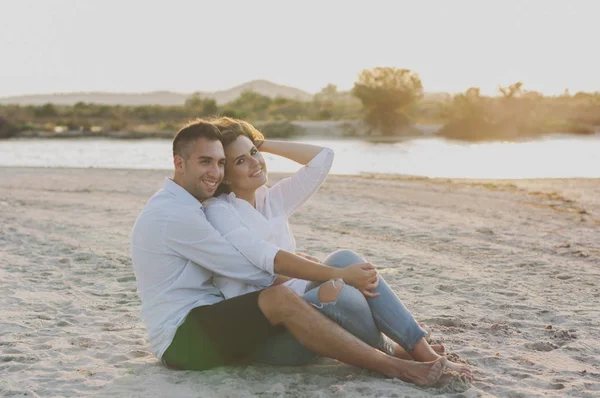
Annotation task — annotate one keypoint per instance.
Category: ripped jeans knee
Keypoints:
(347, 306)
(329, 292)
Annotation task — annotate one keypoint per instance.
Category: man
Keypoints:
(175, 252)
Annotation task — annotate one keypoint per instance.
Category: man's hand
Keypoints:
(362, 276)
(306, 256)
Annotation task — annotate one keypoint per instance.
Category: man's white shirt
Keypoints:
(175, 253)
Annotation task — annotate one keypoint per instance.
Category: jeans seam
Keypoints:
(403, 343)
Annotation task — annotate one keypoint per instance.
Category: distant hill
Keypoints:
(263, 87)
(167, 98)
(153, 98)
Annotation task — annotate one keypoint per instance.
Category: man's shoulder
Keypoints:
(164, 207)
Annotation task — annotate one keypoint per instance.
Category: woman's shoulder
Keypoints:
(221, 200)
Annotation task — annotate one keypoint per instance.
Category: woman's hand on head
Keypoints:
(363, 277)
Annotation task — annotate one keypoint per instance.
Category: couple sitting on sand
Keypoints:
(220, 282)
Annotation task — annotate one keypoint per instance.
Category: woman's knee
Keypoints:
(343, 258)
(329, 292)
(343, 299)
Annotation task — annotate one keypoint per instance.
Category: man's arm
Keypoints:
(195, 239)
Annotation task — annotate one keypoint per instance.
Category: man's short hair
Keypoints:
(190, 132)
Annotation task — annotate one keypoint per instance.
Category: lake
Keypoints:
(556, 156)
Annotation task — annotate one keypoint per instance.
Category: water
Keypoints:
(552, 157)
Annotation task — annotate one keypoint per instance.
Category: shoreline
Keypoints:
(506, 274)
(363, 175)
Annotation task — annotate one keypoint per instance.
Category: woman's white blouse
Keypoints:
(265, 229)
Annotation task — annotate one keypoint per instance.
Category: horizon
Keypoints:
(175, 92)
(153, 91)
(67, 47)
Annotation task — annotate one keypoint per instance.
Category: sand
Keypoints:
(506, 274)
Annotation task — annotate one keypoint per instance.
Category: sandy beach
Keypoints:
(505, 273)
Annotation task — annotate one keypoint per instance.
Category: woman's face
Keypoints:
(245, 169)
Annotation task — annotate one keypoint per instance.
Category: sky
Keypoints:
(51, 46)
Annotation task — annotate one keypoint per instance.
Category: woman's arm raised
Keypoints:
(292, 192)
(296, 151)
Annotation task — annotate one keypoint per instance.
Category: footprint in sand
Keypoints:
(541, 346)
(446, 288)
(564, 276)
(564, 335)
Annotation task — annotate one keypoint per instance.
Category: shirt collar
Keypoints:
(180, 193)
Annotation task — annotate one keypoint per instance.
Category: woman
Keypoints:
(254, 219)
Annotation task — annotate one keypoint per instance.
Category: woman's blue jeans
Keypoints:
(373, 320)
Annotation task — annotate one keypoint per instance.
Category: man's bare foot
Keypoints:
(401, 353)
(461, 369)
(423, 374)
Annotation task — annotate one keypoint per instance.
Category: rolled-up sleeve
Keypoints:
(294, 191)
(255, 249)
(197, 240)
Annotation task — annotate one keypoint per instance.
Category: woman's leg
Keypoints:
(341, 303)
(393, 318)
(365, 318)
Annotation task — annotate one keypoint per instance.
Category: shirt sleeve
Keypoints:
(256, 250)
(197, 240)
(294, 191)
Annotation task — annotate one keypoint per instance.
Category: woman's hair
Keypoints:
(230, 130)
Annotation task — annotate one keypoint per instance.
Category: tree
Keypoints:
(468, 105)
(194, 101)
(46, 110)
(250, 104)
(512, 91)
(328, 93)
(385, 93)
(7, 129)
(202, 106)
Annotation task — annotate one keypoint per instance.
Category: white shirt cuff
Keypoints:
(270, 251)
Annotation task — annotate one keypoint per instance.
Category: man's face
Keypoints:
(203, 170)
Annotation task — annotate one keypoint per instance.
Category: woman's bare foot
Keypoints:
(427, 330)
(423, 374)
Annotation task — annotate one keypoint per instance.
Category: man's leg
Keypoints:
(281, 306)
(339, 302)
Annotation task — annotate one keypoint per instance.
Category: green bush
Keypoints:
(7, 129)
(579, 128)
